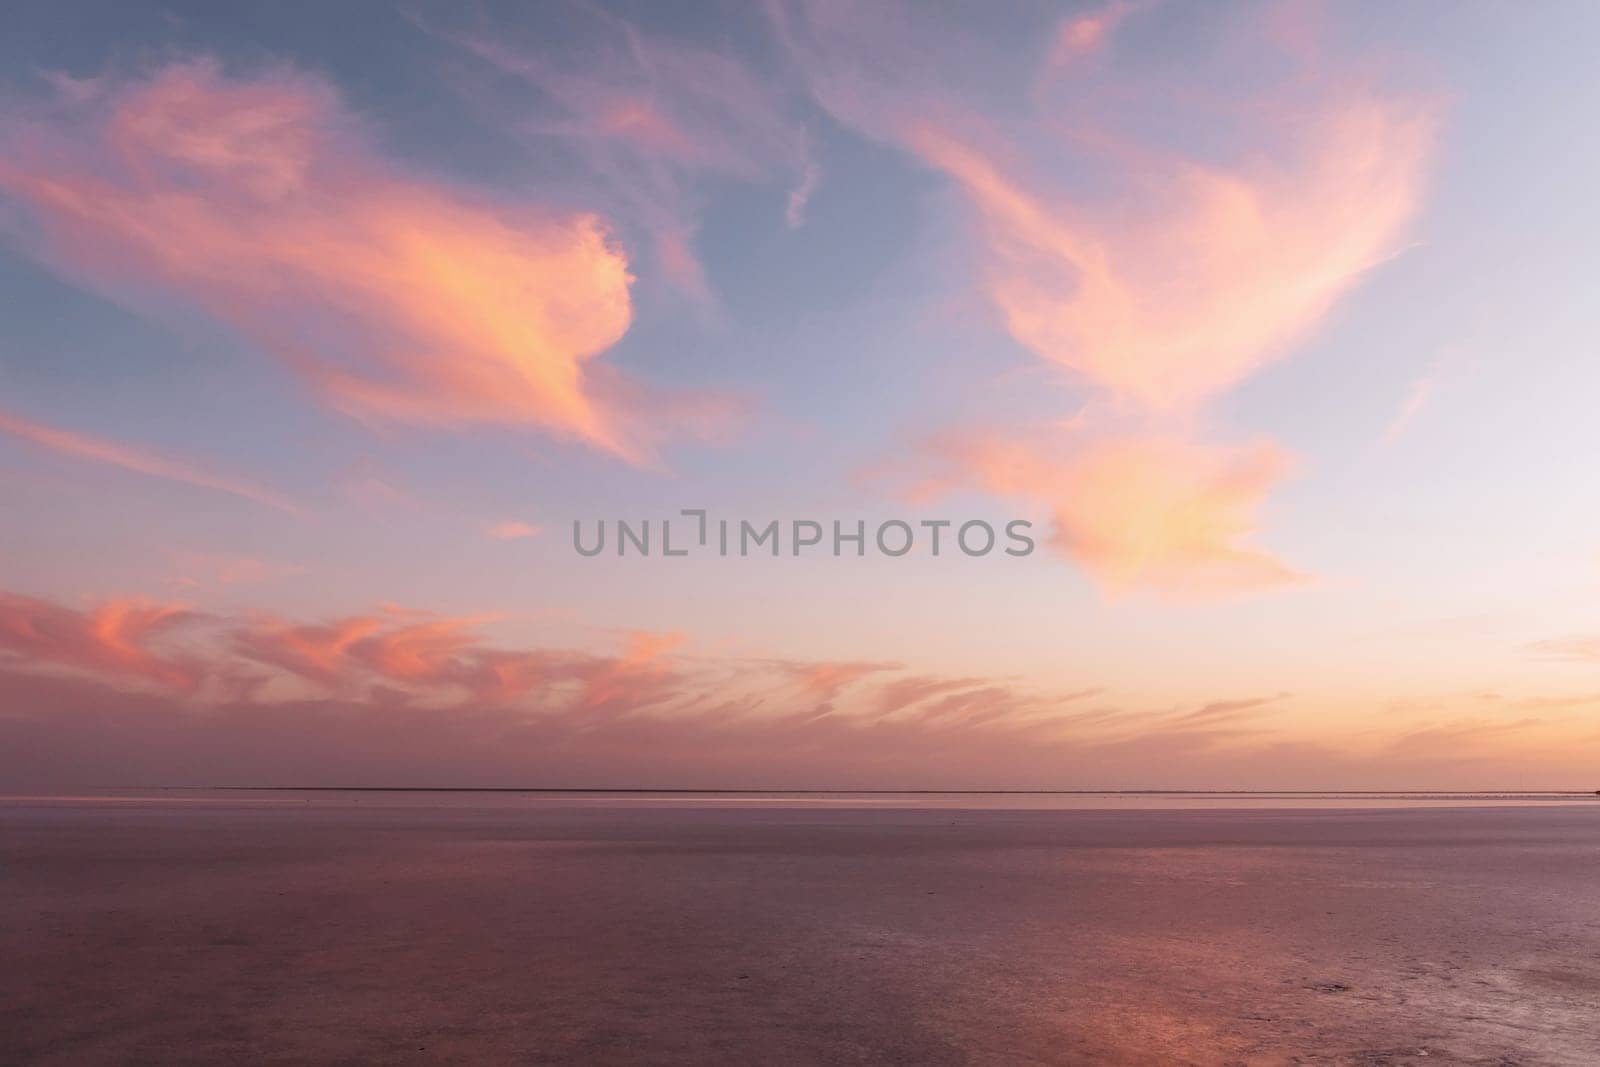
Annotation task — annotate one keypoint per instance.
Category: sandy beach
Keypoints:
(334, 928)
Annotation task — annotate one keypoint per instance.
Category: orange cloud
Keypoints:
(99, 450)
(263, 201)
(113, 639)
(1157, 513)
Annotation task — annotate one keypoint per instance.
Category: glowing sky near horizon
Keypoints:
(317, 332)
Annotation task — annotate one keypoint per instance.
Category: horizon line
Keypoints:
(883, 792)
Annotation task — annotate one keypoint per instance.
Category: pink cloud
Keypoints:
(648, 646)
(510, 530)
(115, 639)
(425, 655)
(1204, 274)
(210, 570)
(1080, 35)
(111, 453)
(1158, 266)
(71, 731)
(827, 678)
(314, 652)
(639, 677)
(264, 201)
(407, 696)
(901, 693)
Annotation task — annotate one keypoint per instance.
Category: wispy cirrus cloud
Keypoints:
(445, 661)
(649, 646)
(1219, 711)
(315, 652)
(266, 202)
(109, 692)
(650, 119)
(1418, 396)
(1085, 34)
(213, 570)
(1580, 648)
(1157, 267)
(425, 655)
(371, 680)
(827, 678)
(118, 639)
(114, 454)
(1205, 274)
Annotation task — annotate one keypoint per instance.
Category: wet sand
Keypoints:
(331, 929)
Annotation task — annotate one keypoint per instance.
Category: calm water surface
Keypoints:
(350, 927)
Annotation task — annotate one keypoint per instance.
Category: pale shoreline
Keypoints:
(481, 928)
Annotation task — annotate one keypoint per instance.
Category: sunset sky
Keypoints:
(319, 327)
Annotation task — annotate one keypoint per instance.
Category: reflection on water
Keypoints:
(345, 926)
(1146, 800)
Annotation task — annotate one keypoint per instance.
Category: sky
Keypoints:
(322, 327)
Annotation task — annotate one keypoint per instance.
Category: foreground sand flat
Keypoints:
(344, 929)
